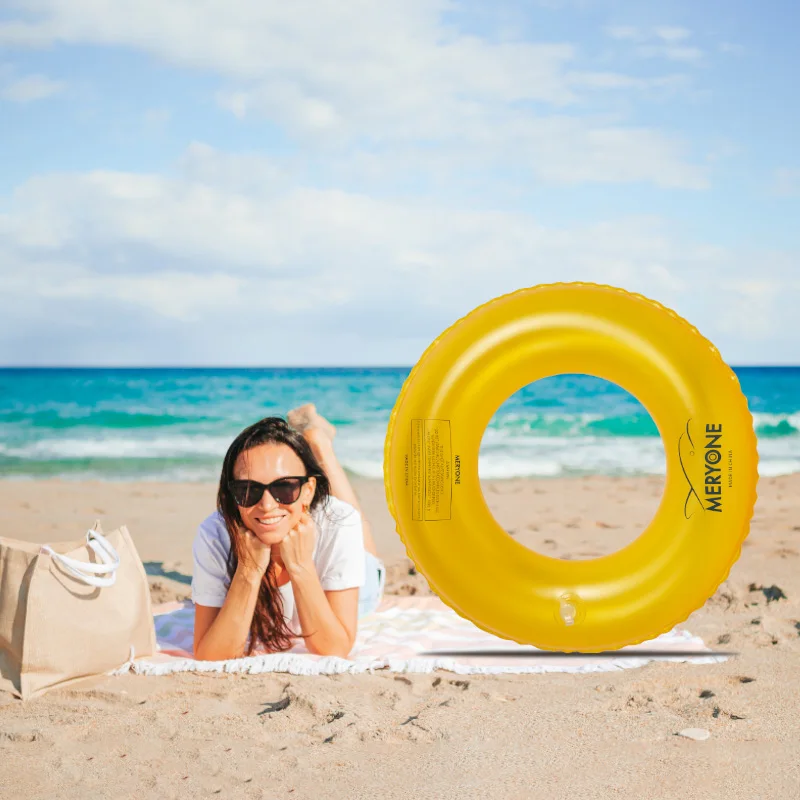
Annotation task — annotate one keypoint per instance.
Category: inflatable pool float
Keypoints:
(434, 494)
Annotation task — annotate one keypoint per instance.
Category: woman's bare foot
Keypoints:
(319, 433)
(306, 418)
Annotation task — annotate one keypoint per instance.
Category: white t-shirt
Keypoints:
(338, 556)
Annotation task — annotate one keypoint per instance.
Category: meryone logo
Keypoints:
(712, 478)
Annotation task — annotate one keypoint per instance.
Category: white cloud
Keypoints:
(615, 80)
(625, 32)
(25, 34)
(751, 308)
(554, 148)
(732, 48)
(358, 47)
(786, 182)
(664, 279)
(180, 296)
(232, 252)
(29, 88)
(672, 34)
(664, 41)
(155, 120)
(387, 77)
(671, 52)
(248, 212)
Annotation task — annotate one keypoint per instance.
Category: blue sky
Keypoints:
(316, 183)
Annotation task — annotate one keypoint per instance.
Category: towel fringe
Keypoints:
(388, 629)
(128, 665)
(297, 664)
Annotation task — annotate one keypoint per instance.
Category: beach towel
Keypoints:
(410, 634)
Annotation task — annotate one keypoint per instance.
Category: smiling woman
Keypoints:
(287, 553)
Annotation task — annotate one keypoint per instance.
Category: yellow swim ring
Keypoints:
(434, 494)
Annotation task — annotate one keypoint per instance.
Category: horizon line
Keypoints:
(284, 366)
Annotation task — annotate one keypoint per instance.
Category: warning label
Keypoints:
(431, 491)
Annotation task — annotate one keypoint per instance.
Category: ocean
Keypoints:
(176, 424)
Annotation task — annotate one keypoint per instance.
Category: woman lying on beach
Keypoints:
(288, 552)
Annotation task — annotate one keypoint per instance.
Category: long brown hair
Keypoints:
(268, 627)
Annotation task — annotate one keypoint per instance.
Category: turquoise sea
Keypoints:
(176, 424)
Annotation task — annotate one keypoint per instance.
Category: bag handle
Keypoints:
(82, 570)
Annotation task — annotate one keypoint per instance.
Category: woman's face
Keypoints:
(268, 520)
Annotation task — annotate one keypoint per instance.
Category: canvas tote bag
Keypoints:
(71, 610)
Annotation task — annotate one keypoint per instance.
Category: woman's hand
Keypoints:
(257, 554)
(297, 547)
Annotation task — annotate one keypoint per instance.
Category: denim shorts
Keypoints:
(371, 593)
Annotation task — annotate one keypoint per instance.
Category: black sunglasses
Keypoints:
(284, 490)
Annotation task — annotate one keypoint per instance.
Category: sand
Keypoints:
(555, 735)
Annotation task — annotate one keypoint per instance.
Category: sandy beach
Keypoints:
(401, 736)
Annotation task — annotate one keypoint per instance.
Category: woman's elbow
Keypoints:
(202, 653)
(339, 649)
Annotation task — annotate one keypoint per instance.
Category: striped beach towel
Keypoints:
(410, 634)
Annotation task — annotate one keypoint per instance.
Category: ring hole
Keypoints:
(572, 467)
